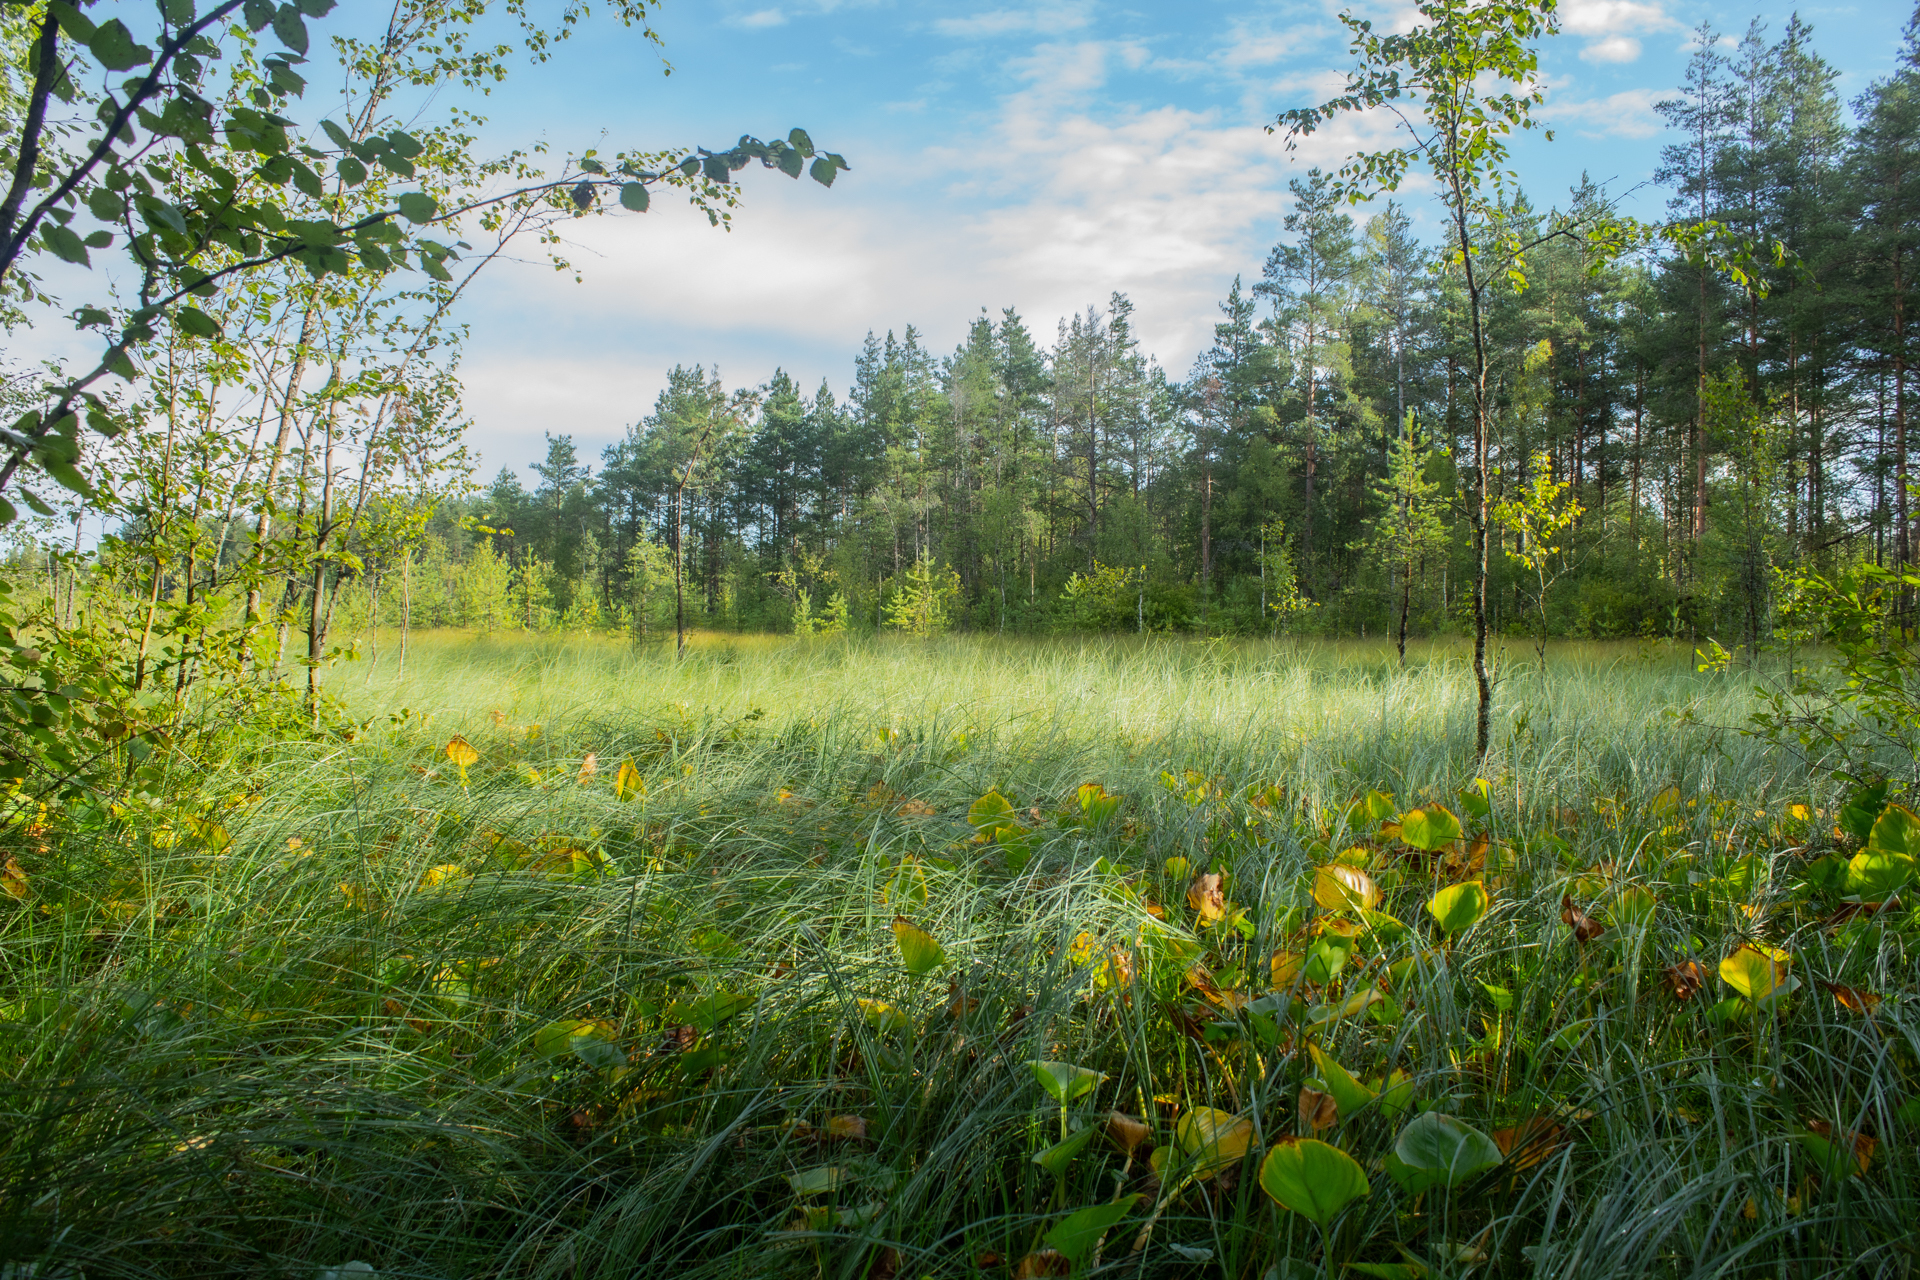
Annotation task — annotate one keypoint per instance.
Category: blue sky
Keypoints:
(1038, 156)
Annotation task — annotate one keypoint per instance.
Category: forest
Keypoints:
(1695, 435)
(1426, 791)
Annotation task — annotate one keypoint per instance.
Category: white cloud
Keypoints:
(1040, 20)
(1611, 49)
(1627, 114)
(758, 19)
(1611, 24)
(1061, 202)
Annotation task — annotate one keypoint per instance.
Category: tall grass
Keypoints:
(351, 1008)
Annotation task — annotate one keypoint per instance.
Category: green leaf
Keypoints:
(290, 28)
(1429, 828)
(989, 811)
(316, 8)
(33, 501)
(404, 144)
(790, 162)
(1076, 1234)
(1756, 970)
(178, 12)
(709, 1011)
(1875, 876)
(417, 207)
(1057, 1157)
(633, 195)
(823, 171)
(1447, 1146)
(1348, 1093)
(65, 244)
(78, 27)
(105, 204)
(258, 13)
(818, 1181)
(1459, 906)
(1313, 1179)
(1476, 801)
(1897, 832)
(918, 950)
(1857, 815)
(114, 48)
(194, 321)
(1063, 1081)
(351, 171)
(1501, 997)
(7, 514)
(800, 142)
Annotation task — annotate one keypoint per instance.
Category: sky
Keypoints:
(1033, 155)
(1038, 156)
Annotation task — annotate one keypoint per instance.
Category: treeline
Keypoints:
(1667, 434)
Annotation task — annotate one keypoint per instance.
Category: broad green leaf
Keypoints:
(351, 171)
(1348, 1093)
(818, 1181)
(633, 195)
(1862, 809)
(1076, 1234)
(114, 48)
(1876, 876)
(65, 244)
(1633, 906)
(1476, 800)
(1429, 828)
(1447, 1146)
(556, 1038)
(883, 1017)
(1832, 1159)
(709, 1011)
(417, 206)
(1313, 1179)
(291, 28)
(1063, 1081)
(1459, 906)
(990, 811)
(1897, 832)
(1057, 1157)
(1409, 1178)
(1755, 970)
(1394, 1093)
(1326, 958)
(194, 321)
(918, 950)
(258, 13)
(824, 171)
(1211, 1140)
(1501, 997)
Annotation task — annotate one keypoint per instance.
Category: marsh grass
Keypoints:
(315, 1024)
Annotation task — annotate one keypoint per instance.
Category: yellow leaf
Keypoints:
(461, 752)
(13, 880)
(1343, 888)
(1204, 895)
(627, 784)
(1213, 1140)
(1755, 970)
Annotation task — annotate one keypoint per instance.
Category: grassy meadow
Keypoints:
(572, 961)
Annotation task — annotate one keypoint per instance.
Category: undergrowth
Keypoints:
(789, 960)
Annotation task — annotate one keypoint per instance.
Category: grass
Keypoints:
(339, 1005)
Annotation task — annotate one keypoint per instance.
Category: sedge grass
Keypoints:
(309, 1020)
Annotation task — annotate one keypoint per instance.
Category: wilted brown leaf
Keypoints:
(885, 1265)
(987, 1259)
(845, 1128)
(1863, 1146)
(1585, 927)
(1317, 1110)
(917, 809)
(1685, 979)
(1126, 1132)
(1850, 910)
(1047, 1262)
(1852, 997)
(589, 766)
(959, 1003)
(1206, 898)
(1529, 1142)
